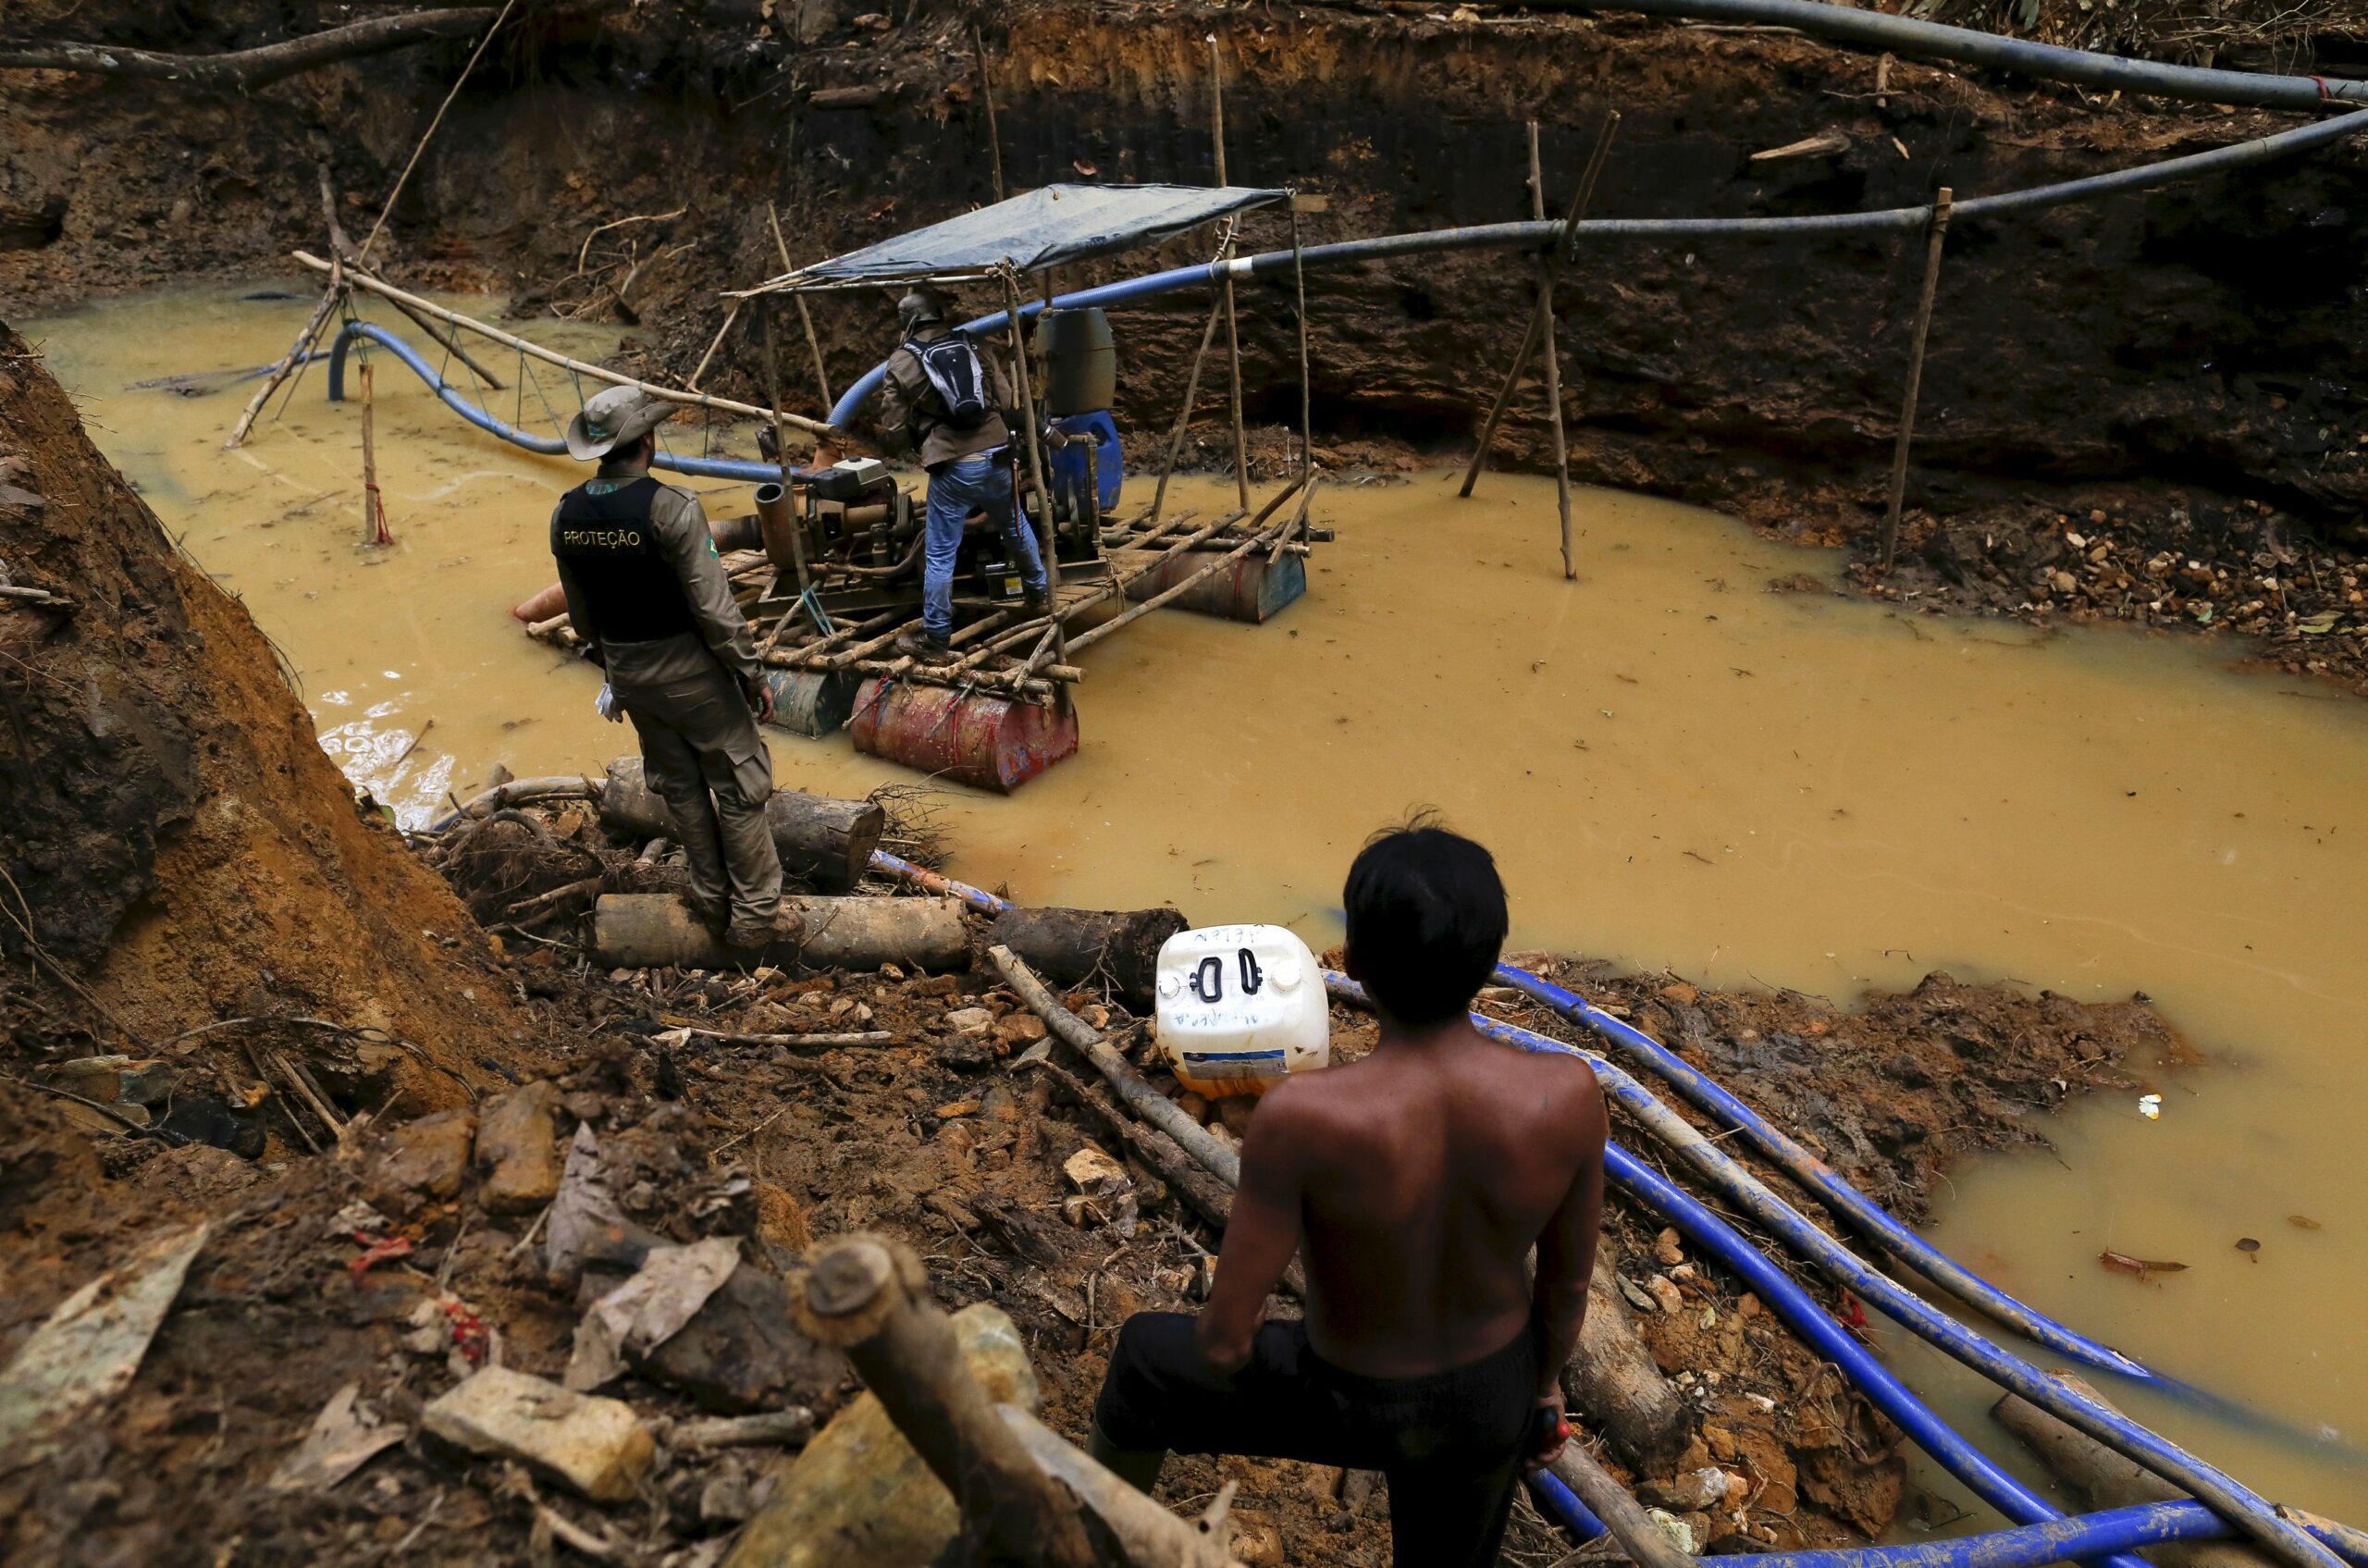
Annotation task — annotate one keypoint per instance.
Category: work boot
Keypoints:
(709, 912)
(786, 925)
(924, 648)
(1038, 600)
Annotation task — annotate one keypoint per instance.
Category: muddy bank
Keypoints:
(2176, 342)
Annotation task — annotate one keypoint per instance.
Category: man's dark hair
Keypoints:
(1426, 921)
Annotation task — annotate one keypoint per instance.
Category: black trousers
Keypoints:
(1450, 1442)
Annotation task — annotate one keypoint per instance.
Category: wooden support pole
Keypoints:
(374, 507)
(987, 94)
(720, 333)
(1546, 271)
(533, 350)
(429, 135)
(781, 440)
(804, 315)
(1232, 322)
(1558, 255)
(1192, 395)
(1049, 534)
(1937, 235)
(1306, 390)
(295, 357)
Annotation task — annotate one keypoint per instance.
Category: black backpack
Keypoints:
(952, 365)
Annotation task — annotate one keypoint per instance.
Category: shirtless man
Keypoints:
(1415, 1181)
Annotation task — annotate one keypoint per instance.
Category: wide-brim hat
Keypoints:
(613, 417)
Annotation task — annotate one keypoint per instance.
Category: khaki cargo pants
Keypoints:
(702, 753)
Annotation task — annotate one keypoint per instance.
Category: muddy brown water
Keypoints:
(1676, 767)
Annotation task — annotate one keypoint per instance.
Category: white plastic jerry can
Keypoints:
(1239, 1008)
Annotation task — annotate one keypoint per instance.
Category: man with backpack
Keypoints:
(945, 396)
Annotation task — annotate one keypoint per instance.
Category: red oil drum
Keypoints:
(995, 743)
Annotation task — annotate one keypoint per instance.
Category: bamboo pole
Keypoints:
(1557, 255)
(404, 178)
(716, 342)
(781, 445)
(1306, 390)
(1546, 270)
(1232, 322)
(551, 356)
(374, 508)
(303, 345)
(987, 94)
(1051, 535)
(1937, 236)
(804, 315)
(1192, 395)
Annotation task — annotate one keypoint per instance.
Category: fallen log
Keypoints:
(828, 843)
(246, 69)
(1132, 1087)
(655, 931)
(2108, 1480)
(1612, 1381)
(1080, 946)
(866, 1295)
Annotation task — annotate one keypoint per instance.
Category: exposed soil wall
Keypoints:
(2184, 336)
(175, 832)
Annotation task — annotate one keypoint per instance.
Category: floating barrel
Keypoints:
(996, 743)
(810, 703)
(1251, 589)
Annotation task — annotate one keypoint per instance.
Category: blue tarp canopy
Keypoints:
(1051, 226)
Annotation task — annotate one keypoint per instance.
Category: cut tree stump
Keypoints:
(1081, 946)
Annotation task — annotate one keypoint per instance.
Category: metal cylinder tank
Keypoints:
(1080, 361)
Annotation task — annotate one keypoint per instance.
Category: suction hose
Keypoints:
(549, 446)
(1870, 1218)
(1530, 236)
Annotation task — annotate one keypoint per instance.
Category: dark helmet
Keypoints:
(922, 307)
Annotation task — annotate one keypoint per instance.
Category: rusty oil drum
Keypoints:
(1250, 589)
(993, 742)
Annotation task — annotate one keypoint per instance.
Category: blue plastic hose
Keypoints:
(1863, 1213)
(1872, 1221)
(2246, 1510)
(549, 446)
(1559, 1503)
(978, 899)
(2028, 1545)
(1530, 236)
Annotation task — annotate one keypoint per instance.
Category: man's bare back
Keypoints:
(1425, 1173)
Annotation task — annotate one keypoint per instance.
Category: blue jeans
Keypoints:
(954, 491)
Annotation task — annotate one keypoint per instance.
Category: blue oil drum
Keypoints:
(1069, 478)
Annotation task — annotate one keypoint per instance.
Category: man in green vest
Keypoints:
(646, 592)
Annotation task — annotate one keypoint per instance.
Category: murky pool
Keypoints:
(1676, 767)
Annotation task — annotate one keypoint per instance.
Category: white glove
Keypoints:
(611, 708)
